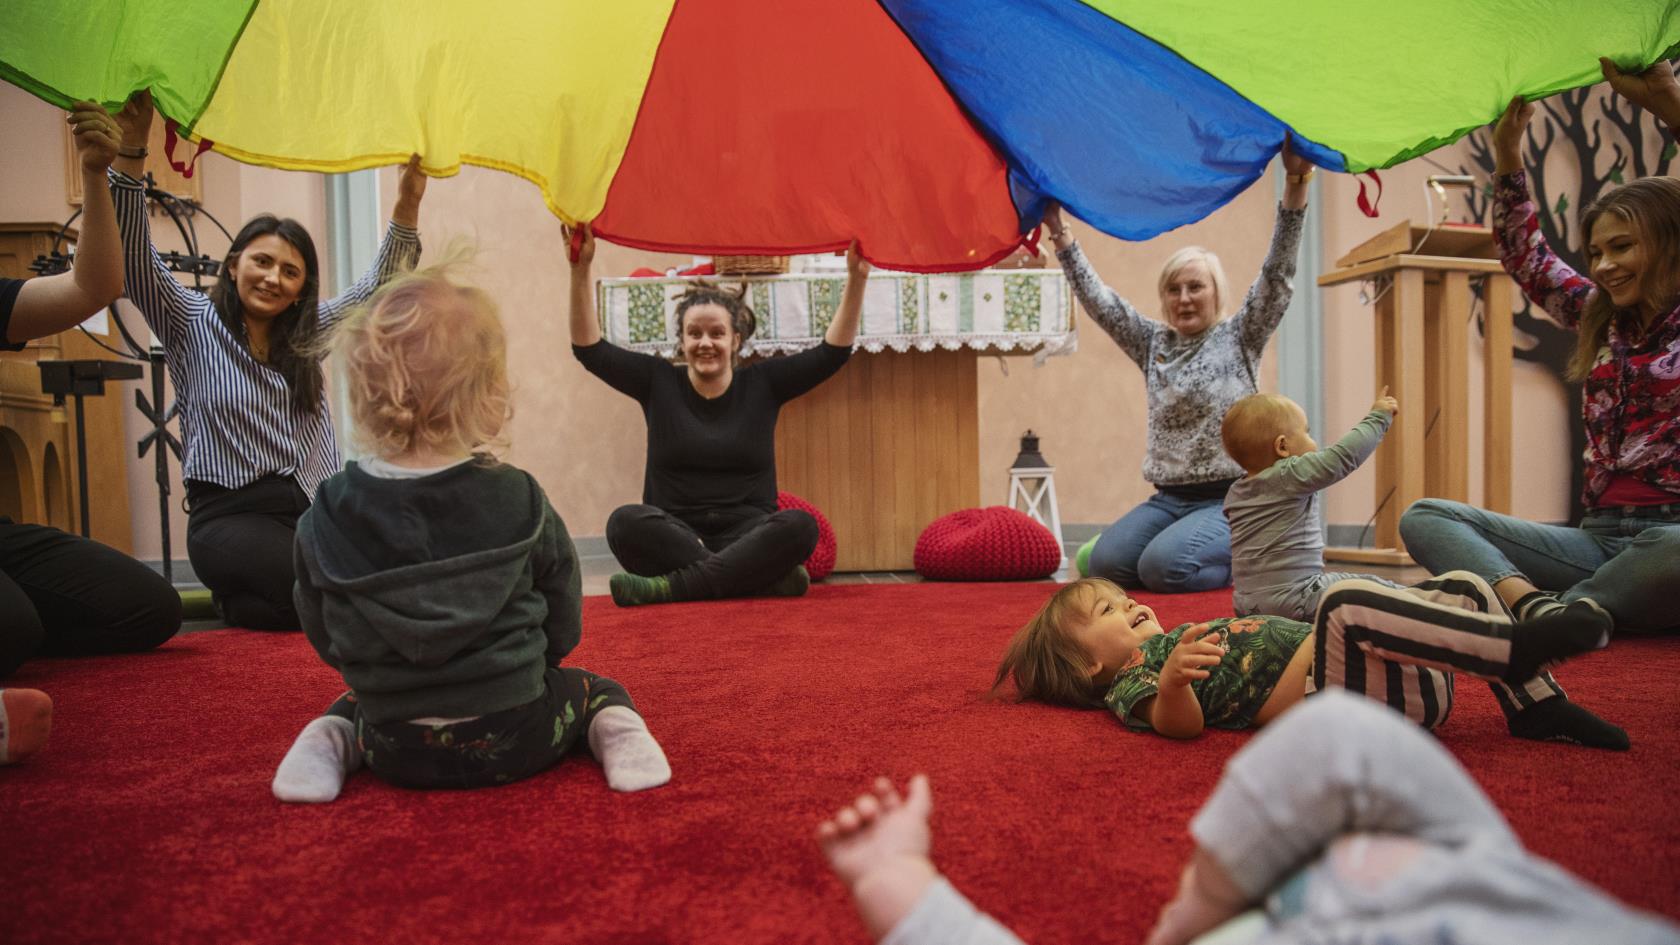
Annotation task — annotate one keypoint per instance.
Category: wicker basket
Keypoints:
(750, 265)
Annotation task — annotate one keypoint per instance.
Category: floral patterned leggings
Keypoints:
(492, 749)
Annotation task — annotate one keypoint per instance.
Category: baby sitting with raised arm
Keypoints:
(1277, 548)
(1275, 512)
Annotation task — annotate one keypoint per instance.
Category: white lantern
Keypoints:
(1032, 489)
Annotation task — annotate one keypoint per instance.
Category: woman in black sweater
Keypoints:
(708, 526)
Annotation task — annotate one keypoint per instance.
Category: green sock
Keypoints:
(1082, 557)
(792, 584)
(631, 590)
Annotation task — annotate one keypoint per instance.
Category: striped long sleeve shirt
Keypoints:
(237, 419)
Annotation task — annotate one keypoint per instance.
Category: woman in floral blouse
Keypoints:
(1625, 554)
(1196, 363)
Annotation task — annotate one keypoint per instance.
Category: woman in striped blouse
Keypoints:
(254, 422)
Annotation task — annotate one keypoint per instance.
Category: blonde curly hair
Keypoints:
(426, 362)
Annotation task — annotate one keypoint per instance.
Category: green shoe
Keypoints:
(196, 604)
(1082, 557)
(792, 584)
(631, 590)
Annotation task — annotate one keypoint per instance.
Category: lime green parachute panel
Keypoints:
(105, 49)
(1388, 80)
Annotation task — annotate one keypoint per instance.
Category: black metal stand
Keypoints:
(166, 443)
(80, 379)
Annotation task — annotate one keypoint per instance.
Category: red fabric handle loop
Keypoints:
(1368, 205)
(171, 135)
(1031, 240)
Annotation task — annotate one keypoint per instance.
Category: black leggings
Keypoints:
(491, 749)
(240, 545)
(63, 595)
(732, 557)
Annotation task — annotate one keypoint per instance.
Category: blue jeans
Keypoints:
(1168, 545)
(1626, 559)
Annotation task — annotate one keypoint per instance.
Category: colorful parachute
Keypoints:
(931, 130)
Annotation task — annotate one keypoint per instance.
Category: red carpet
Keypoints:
(149, 819)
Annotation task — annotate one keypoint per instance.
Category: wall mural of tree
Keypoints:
(1575, 122)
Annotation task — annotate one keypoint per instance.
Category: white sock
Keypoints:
(621, 742)
(315, 767)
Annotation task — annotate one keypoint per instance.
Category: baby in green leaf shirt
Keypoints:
(1093, 646)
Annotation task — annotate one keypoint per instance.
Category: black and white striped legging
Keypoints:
(1401, 646)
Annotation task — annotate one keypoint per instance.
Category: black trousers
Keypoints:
(492, 749)
(728, 555)
(240, 545)
(64, 595)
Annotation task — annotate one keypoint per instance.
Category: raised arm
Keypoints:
(842, 331)
(1129, 329)
(585, 321)
(1655, 89)
(796, 374)
(399, 250)
(1320, 469)
(1548, 281)
(51, 304)
(1268, 298)
(628, 372)
(164, 303)
(1297, 172)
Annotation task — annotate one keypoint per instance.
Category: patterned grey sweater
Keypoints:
(1193, 381)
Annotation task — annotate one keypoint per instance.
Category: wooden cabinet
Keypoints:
(38, 442)
(883, 448)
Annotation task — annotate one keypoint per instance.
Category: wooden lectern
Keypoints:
(1423, 306)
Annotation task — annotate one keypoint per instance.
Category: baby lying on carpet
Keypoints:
(440, 582)
(1093, 646)
(1384, 838)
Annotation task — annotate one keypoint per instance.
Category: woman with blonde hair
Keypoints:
(1196, 363)
(1624, 556)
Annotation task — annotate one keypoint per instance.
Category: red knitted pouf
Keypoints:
(821, 562)
(991, 544)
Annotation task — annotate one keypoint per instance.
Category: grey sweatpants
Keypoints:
(1297, 600)
(1277, 823)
